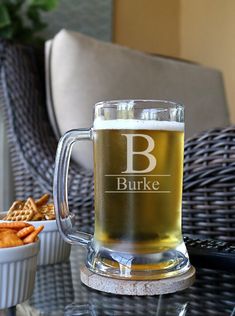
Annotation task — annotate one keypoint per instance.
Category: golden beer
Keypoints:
(138, 197)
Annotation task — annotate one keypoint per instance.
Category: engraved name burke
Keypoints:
(137, 185)
(142, 184)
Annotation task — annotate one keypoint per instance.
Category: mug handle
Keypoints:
(64, 218)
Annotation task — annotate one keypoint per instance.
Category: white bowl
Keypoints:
(17, 273)
(53, 248)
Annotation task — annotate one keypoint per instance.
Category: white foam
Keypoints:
(100, 123)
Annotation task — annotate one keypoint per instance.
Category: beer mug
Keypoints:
(138, 174)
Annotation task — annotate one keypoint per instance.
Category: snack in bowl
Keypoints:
(53, 249)
(19, 247)
(31, 210)
(19, 215)
(8, 238)
(18, 234)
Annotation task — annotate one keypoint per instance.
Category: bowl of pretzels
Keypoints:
(40, 212)
(19, 247)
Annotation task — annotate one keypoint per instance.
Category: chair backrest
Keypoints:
(82, 71)
(209, 185)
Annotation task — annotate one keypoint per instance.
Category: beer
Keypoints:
(138, 184)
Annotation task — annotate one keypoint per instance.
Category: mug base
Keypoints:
(131, 287)
(134, 266)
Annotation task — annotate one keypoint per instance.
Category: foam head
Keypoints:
(100, 123)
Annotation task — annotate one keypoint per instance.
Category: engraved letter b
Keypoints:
(146, 153)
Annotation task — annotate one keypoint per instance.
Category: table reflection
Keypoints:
(53, 288)
(58, 291)
(100, 304)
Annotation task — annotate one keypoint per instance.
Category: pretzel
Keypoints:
(30, 205)
(20, 215)
(48, 208)
(31, 238)
(17, 205)
(31, 210)
(48, 211)
(38, 217)
(43, 199)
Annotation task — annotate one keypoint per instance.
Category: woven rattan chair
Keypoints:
(209, 179)
(209, 184)
(31, 140)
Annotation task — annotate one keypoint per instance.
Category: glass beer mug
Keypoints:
(138, 173)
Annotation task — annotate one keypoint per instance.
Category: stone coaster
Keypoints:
(126, 287)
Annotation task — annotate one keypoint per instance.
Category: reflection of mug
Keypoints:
(98, 304)
(138, 169)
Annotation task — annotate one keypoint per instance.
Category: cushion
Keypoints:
(82, 71)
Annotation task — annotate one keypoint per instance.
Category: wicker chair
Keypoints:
(31, 140)
(209, 184)
(209, 179)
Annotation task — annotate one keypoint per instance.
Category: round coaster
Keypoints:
(126, 287)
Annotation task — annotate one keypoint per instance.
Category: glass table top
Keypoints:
(59, 291)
